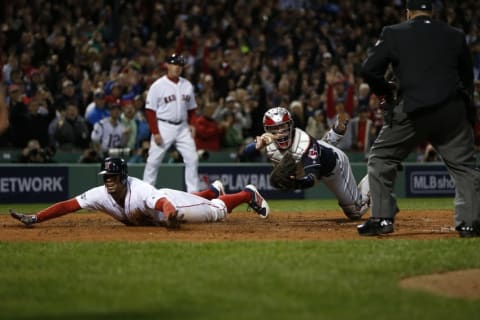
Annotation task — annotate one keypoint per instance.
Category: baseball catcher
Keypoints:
(301, 160)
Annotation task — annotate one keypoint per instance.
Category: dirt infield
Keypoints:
(323, 225)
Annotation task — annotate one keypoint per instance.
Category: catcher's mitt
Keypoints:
(283, 175)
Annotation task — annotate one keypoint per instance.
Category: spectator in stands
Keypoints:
(34, 153)
(143, 130)
(71, 131)
(141, 153)
(109, 133)
(430, 154)
(263, 54)
(85, 96)
(97, 109)
(128, 120)
(29, 117)
(296, 109)
(233, 135)
(361, 130)
(363, 96)
(208, 132)
(18, 116)
(317, 124)
(68, 95)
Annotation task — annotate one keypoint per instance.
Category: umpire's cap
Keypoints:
(112, 165)
(419, 5)
(179, 60)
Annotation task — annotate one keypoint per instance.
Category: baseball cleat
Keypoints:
(375, 227)
(217, 187)
(257, 202)
(26, 219)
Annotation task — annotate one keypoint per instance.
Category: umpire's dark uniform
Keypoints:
(432, 66)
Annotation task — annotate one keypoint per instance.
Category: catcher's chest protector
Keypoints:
(300, 144)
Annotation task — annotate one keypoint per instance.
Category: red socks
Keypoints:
(235, 199)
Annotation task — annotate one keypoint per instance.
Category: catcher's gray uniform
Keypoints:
(330, 164)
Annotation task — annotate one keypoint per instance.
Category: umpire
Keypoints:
(431, 100)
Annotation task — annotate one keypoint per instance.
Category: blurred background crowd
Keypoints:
(66, 65)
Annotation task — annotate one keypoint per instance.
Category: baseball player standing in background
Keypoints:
(136, 203)
(315, 159)
(3, 111)
(433, 69)
(170, 108)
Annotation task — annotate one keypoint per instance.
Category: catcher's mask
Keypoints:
(278, 121)
(115, 166)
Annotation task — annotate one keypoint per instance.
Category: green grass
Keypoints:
(354, 279)
(294, 205)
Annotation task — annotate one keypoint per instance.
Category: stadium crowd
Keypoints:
(68, 65)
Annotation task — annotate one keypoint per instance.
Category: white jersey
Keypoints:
(107, 135)
(139, 207)
(171, 101)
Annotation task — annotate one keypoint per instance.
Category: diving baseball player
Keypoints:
(316, 160)
(170, 107)
(137, 203)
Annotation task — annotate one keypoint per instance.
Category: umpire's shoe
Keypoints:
(465, 231)
(375, 227)
(257, 202)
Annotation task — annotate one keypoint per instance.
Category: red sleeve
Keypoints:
(58, 209)
(152, 121)
(191, 115)
(165, 206)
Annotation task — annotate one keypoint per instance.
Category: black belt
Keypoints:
(170, 122)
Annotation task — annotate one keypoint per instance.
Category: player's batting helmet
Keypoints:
(115, 166)
(179, 60)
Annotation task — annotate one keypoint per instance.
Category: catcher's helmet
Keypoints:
(115, 166)
(279, 122)
(179, 60)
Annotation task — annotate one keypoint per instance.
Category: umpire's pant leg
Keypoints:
(393, 144)
(456, 147)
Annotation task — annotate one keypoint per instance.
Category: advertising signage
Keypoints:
(33, 184)
(428, 181)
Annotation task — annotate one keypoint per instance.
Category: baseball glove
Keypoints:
(283, 175)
